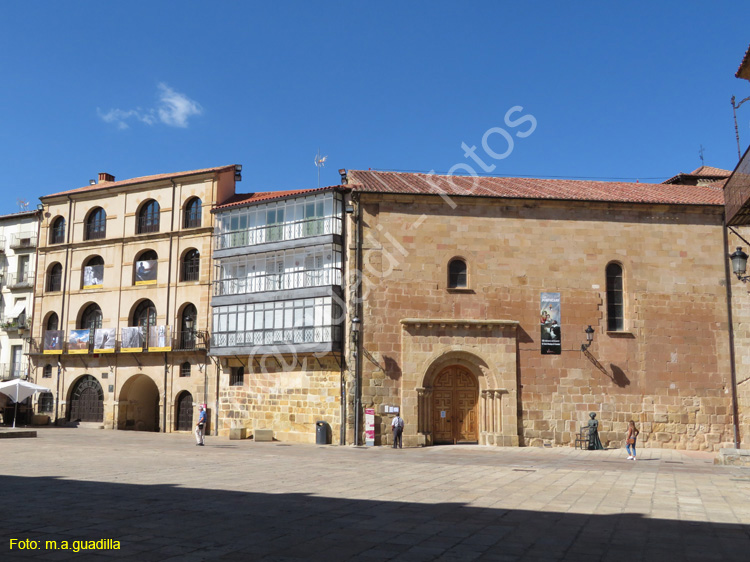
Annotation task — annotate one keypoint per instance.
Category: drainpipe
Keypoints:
(60, 379)
(358, 314)
(166, 316)
(730, 322)
(342, 358)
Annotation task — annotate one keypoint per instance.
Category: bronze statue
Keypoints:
(594, 443)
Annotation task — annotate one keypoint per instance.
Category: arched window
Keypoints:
(191, 265)
(53, 322)
(457, 274)
(185, 369)
(47, 371)
(93, 273)
(192, 213)
(54, 278)
(91, 318)
(96, 224)
(57, 231)
(145, 268)
(144, 315)
(615, 315)
(187, 327)
(148, 218)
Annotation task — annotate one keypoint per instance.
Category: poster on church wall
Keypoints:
(53, 342)
(550, 324)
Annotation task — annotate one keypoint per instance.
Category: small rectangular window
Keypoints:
(237, 376)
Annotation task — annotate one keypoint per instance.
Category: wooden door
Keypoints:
(184, 421)
(455, 398)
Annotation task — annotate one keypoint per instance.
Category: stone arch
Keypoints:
(471, 361)
(86, 400)
(138, 404)
(495, 407)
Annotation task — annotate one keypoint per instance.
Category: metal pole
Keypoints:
(730, 321)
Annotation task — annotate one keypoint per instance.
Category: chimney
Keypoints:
(104, 176)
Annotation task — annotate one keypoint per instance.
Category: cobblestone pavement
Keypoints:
(163, 498)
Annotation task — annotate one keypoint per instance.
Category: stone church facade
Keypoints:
(448, 308)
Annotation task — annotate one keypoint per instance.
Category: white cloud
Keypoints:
(173, 109)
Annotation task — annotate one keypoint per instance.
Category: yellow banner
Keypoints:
(152, 282)
(93, 286)
(108, 350)
(52, 352)
(169, 348)
(131, 349)
(78, 351)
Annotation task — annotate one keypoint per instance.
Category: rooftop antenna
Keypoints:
(23, 205)
(700, 153)
(320, 161)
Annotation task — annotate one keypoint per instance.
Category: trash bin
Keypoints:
(322, 433)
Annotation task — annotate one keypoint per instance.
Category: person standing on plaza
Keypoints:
(398, 429)
(199, 427)
(630, 440)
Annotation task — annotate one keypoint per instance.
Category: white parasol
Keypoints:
(19, 390)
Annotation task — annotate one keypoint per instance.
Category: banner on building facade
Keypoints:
(370, 427)
(93, 277)
(159, 338)
(550, 324)
(145, 272)
(78, 341)
(132, 339)
(104, 340)
(53, 342)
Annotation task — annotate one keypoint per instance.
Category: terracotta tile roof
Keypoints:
(143, 179)
(701, 172)
(711, 172)
(240, 199)
(530, 188)
(744, 69)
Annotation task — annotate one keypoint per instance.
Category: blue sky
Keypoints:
(138, 88)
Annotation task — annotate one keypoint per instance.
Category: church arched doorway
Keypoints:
(455, 404)
(86, 401)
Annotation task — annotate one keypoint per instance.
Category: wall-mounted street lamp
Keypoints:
(589, 338)
(739, 264)
(355, 332)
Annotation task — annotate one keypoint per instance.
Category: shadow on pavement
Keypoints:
(161, 522)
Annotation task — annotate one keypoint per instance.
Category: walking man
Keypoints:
(398, 429)
(199, 426)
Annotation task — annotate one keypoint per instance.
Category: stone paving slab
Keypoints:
(164, 498)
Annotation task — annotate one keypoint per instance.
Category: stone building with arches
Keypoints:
(469, 297)
(122, 297)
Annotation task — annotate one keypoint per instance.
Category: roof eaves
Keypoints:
(136, 181)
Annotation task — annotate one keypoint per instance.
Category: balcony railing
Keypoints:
(22, 240)
(96, 230)
(280, 336)
(20, 280)
(2, 244)
(279, 232)
(191, 270)
(192, 220)
(278, 282)
(12, 370)
(195, 340)
(14, 324)
(147, 224)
